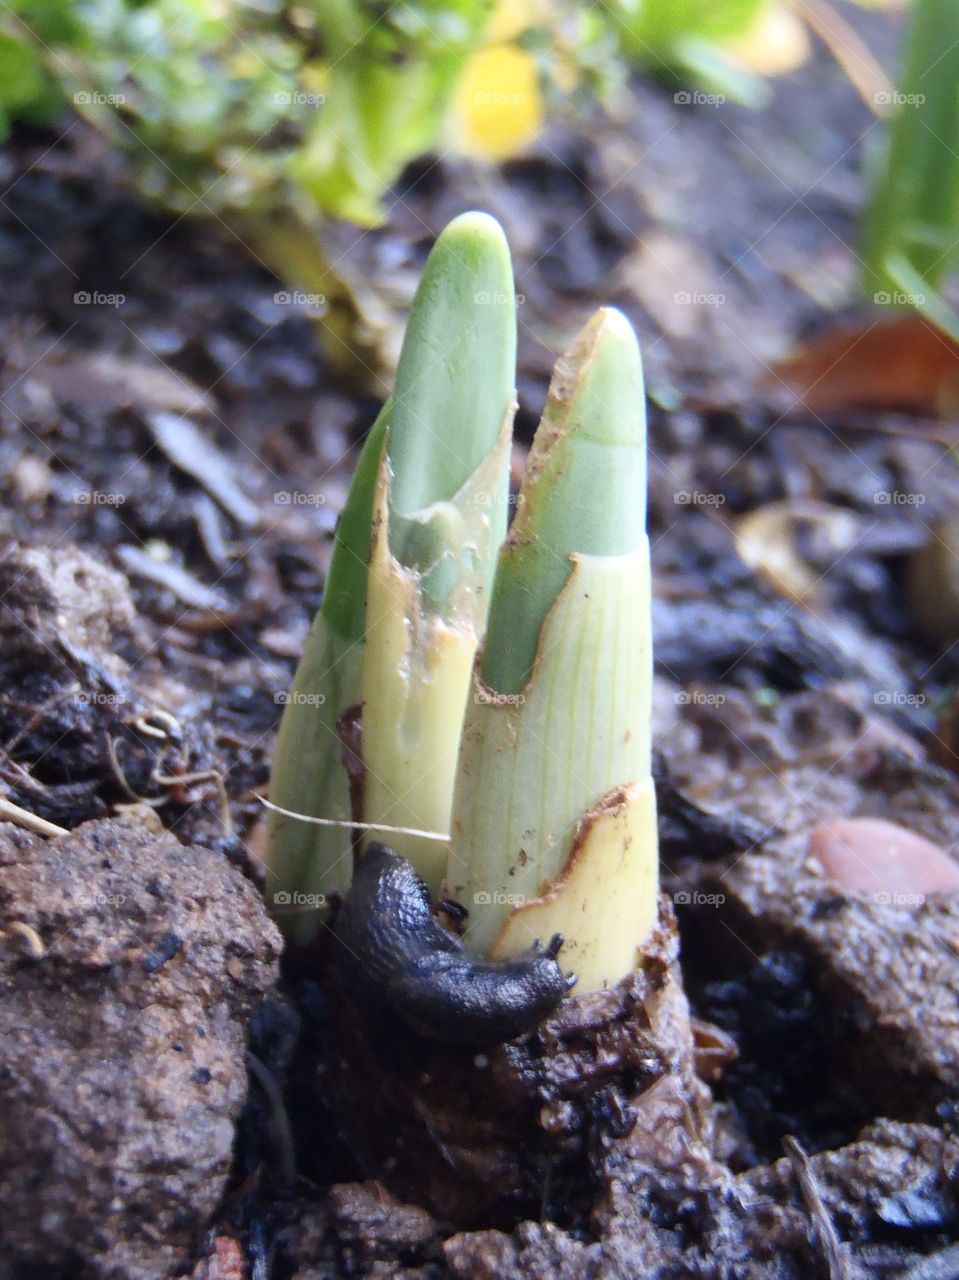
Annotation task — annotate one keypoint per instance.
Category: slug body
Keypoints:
(392, 948)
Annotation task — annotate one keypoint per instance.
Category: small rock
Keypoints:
(871, 855)
(122, 1068)
(62, 604)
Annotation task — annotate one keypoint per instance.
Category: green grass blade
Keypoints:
(915, 173)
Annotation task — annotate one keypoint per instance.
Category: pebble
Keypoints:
(871, 855)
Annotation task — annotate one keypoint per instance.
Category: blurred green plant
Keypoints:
(270, 115)
(265, 116)
(686, 38)
(911, 223)
(27, 91)
(236, 108)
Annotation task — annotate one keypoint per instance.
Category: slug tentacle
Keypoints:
(393, 949)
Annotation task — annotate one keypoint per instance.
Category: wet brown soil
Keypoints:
(174, 465)
(131, 964)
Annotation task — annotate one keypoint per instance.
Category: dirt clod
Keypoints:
(121, 1056)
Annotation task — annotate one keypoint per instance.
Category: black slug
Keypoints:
(393, 949)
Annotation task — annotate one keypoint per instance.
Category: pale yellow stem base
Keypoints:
(415, 679)
(604, 900)
(531, 766)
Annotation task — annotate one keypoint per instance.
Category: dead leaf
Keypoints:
(844, 42)
(674, 281)
(103, 381)
(766, 540)
(902, 363)
(192, 450)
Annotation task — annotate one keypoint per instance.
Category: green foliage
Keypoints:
(344, 600)
(681, 37)
(244, 106)
(656, 25)
(26, 91)
(913, 213)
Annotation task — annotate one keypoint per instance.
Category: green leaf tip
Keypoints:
(344, 597)
(456, 374)
(584, 492)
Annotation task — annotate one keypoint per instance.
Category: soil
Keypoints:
(130, 968)
(175, 462)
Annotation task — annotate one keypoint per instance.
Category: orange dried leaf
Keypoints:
(902, 363)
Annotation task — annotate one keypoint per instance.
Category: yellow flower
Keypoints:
(498, 107)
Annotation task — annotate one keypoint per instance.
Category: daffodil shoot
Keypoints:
(501, 679)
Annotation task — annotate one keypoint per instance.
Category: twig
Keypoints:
(24, 818)
(187, 589)
(34, 943)
(190, 449)
(121, 777)
(39, 712)
(282, 1130)
(822, 1223)
(342, 822)
(201, 775)
(849, 49)
(22, 779)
